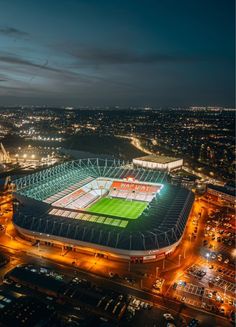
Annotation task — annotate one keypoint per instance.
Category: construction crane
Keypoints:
(4, 155)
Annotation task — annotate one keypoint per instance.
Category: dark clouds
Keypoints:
(117, 52)
(55, 76)
(16, 60)
(11, 31)
(106, 56)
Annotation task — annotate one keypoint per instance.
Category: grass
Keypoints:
(118, 208)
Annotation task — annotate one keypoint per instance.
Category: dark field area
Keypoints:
(95, 144)
(117, 147)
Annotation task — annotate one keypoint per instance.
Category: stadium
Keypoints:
(108, 207)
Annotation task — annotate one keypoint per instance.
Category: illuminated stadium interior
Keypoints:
(118, 207)
(103, 203)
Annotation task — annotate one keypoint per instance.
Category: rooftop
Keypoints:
(223, 189)
(40, 280)
(158, 159)
(19, 310)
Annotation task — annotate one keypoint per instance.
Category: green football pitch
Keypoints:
(118, 208)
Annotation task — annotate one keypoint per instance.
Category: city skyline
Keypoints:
(123, 53)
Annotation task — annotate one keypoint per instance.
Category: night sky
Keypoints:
(117, 52)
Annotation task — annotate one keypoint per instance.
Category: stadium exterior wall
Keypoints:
(108, 252)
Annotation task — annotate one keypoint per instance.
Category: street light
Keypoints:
(157, 269)
(163, 264)
(233, 253)
(184, 252)
(179, 258)
(9, 235)
(225, 291)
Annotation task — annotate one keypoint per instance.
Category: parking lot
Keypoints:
(191, 289)
(203, 297)
(203, 274)
(225, 285)
(196, 271)
(219, 234)
(209, 282)
(225, 271)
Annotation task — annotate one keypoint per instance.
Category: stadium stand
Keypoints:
(126, 186)
(45, 184)
(84, 196)
(134, 191)
(83, 201)
(68, 190)
(90, 218)
(98, 184)
(66, 200)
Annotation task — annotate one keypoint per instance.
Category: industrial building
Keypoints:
(158, 162)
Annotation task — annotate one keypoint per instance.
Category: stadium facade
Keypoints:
(103, 206)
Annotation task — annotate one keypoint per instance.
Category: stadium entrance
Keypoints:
(136, 260)
(100, 255)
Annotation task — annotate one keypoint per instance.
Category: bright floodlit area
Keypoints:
(118, 208)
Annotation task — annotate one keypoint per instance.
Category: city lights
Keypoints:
(117, 163)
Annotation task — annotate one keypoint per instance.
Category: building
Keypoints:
(19, 310)
(74, 293)
(158, 162)
(224, 193)
(102, 206)
(187, 181)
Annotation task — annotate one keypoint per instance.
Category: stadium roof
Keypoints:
(158, 159)
(161, 224)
